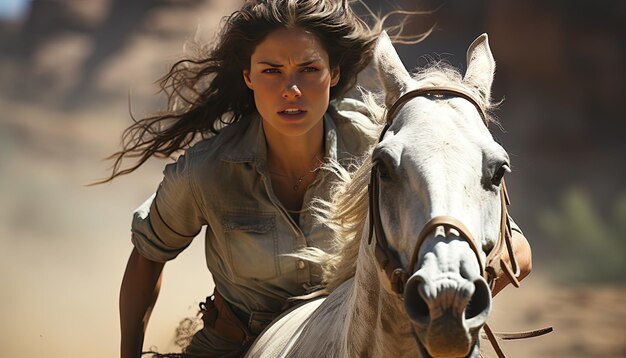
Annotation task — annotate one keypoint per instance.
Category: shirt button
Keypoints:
(301, 264)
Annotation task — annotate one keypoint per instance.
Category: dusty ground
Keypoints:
(587, 321)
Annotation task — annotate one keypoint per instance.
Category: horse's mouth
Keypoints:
(474, 352)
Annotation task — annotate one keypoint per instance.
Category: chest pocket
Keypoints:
(252, 245)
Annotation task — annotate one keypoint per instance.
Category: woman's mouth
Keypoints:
(292, 113)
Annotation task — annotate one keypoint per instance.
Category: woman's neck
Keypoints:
(294, 156)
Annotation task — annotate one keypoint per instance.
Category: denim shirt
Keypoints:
(223, 183)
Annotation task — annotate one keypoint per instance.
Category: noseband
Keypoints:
(388, 259)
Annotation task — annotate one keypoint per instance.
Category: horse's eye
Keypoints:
(499, 174)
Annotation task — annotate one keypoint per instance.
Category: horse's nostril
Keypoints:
(480, 303)
(414, 302)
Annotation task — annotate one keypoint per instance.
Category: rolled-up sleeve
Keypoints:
(166, 223)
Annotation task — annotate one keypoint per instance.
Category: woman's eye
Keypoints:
(499, 174)
(309, 69)
(270, 70)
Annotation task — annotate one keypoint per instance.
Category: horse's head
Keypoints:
(435, 192)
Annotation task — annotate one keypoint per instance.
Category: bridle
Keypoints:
(388, 259)
(490, 268)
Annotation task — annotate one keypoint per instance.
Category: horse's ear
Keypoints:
(480, 66)
(394, 76)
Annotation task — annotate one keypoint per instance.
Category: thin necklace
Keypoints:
(299, 179)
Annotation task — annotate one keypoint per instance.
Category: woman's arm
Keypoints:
(523, 254)
(139, 291)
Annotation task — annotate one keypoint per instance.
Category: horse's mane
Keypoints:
(346, 211)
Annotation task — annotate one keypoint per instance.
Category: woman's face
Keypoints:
(291, 77)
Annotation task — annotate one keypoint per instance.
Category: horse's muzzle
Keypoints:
(447, 314)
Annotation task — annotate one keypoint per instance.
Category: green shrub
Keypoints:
(588, 246)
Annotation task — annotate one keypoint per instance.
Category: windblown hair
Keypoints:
(207, 92)
(346, 212)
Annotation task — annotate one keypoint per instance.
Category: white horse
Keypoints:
(417, 287)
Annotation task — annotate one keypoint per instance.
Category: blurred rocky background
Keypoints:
(71, 71)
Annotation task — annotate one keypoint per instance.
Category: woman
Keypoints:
(260, 101)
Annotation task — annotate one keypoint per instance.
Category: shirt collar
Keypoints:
(250, 146)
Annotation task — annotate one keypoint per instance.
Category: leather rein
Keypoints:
(490, 268)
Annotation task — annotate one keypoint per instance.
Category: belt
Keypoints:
(231, 322)
(257, 321)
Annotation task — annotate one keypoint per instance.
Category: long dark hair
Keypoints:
(207, 92)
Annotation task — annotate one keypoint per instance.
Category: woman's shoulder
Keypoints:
(353, 113)
(356, 123)
(351, 108)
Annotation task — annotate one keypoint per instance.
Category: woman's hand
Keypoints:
(523, 255)
(139, 291)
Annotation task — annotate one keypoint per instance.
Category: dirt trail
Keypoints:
(588, 321)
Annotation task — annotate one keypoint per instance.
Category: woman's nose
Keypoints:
(292, 92)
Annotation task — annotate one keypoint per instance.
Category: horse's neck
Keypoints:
(376, 325)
